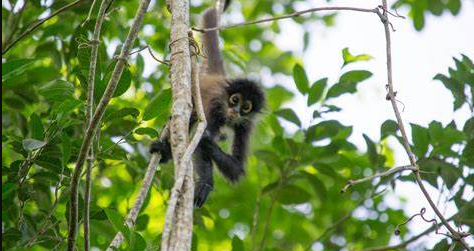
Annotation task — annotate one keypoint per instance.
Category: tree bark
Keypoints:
(177, 232)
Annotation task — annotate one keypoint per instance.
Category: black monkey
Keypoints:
(227, 102)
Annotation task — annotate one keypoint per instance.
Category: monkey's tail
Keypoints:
(210, 42)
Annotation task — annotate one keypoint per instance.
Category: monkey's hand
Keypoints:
(162, 147)
(201, 191)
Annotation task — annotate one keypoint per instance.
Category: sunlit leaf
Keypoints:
(348, 83)
(33, 144)
(349, 58)
(289, 115)
(300, 78)
(316, 91)
(15, 67)
(159, 105)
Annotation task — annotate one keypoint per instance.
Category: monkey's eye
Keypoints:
(247, 107)
(235, 98)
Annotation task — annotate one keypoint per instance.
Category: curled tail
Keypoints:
(210, 42)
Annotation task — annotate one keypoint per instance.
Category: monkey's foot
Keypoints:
(201, 192)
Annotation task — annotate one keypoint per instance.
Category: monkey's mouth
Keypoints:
(233, 115)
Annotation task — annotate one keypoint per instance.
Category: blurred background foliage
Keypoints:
(290, 199)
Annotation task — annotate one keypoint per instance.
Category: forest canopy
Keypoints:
(303, 186)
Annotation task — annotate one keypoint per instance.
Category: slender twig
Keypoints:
(44, 226)
(391, 171)
(39, 23)
(268, 218)
(89, 112)
(255, 218)
(95, 121)
(151, 54)
(412, 239)
(292, 15)
(142, 194)
(385, 21)
(198, 107)
(89, 15)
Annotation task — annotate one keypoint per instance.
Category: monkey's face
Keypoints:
(245, 99)
(238, 108)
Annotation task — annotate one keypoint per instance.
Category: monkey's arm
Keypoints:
(231, 166)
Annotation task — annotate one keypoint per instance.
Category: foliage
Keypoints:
(291, 193)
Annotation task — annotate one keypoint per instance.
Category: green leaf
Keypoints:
(237, 244)
(142, 222)
(318, 185)
(35, 127)
(276, 96)
(348, 83)
(137, 242)
(468, 153)
(292, 194)
(118, 223)
(159, 105)
(15, 67)
(289, 115)
(7, 189)
(33, 144)
(349, 58)
(57, 90)
(123, 85)
(421, 140)
(328, 129)
(147, 131)
(372, 152)
(440, 168)
(300, 78)
(389, 127)
(454, 6)
(418, 15)
(122, 113)
(66, 148)
(316, 91)
(456, 87)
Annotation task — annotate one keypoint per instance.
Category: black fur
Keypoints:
(208, 151)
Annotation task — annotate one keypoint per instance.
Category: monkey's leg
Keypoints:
(162, 147)
(205, 183)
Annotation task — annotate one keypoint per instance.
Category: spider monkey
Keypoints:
(227, 102)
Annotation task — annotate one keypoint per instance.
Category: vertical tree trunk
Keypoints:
(177, 231)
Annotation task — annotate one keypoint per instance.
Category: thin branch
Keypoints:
(44, 226)
(89, 112)
(142, 194)
(384, 18)
(196, 92)
(89, 15)
(391, 171)
(412, 239)
(95, 121)
(292, 15)
(39, 23)
(151, 54)
(267, 220)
